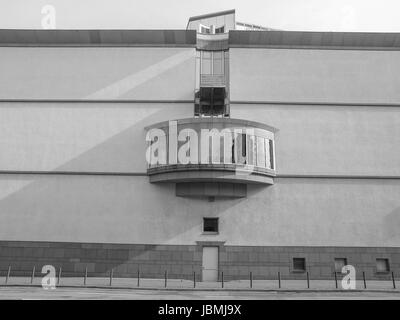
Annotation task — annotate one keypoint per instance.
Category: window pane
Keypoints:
(339, 264)
(218, 66)
(210, 224)
(205, 66)
(218, 55)
(299, 264)
(220, 29)
(382, 265)
(206, 54)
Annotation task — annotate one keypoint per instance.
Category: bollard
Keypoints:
(138, 278)
(111, 276)
(222, 278)
(251, 279)
(335, 279)
(8, 274)
(33, 274)
(279, 279)
(85, 277)
(308, 281)
(166, 276)
(59, 276)
(365, 282)
(393, 280)
(194, 279)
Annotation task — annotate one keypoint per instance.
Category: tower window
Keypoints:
(212, 62)
(220, 29)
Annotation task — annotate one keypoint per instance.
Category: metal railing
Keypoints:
(249, 281)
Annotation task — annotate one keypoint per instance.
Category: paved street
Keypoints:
(137, 294)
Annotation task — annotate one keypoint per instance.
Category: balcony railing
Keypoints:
(211, 150)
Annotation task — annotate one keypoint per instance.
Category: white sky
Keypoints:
(308, 15)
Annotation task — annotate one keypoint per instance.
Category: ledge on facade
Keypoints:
(245, 177)
(173, 38)
(293, 39)
(214, 121)
(211, 190)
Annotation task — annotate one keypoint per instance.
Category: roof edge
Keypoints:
(95, 37)
(210, 15)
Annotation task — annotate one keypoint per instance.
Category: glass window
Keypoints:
(206, 59)
(212, 62)
(218, 66)
(204, 29)
(339, 264)
(382, 265)
(220, 29)
(218, 62)
(299, 264)
(210, 224)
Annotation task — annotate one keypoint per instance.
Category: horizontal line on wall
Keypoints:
(73, 173)
(91, 101)
(86, 45)
(307, 47)
(308, 103)
(269, 102)
(332, 176)
(141, 174)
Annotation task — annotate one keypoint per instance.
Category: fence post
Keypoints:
(194, 279)
(166, 275)
(85, 277)
(111, 276)
(365, 282)
(279, 279)
(394, 281)
(251, 279)
(308, 280)
(8, 274)
(138, 278)
(33, 274)
(59, 276)
(335, 279)
(222, 279)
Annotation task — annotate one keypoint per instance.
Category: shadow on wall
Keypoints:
(392, 225)
(34, 211)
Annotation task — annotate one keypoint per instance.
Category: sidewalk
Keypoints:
(174, 284)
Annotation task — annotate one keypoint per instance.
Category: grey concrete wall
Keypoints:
(80, 137)
(236, 262)
(331, 140)
(109, 138)
(115, 209)
(97, 73)
(298, 75)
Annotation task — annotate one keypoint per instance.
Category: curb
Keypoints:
(396, 291)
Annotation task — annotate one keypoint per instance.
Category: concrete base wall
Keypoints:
(180, 261)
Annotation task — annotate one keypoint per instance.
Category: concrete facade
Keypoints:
(74, 191)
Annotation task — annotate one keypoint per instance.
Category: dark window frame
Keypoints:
(294, 267)
(339, 258)
(387, 263)
(214, 220)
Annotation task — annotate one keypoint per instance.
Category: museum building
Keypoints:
(223, 147)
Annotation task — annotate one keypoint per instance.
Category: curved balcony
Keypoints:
(211, 150)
